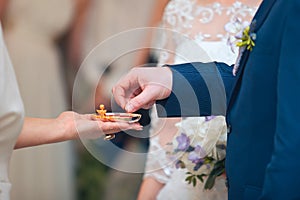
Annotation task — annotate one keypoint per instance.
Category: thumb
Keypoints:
(144, 99)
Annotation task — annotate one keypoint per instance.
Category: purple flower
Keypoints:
(198, 165)
(183, 142)
(208, 118)
(208, 166)
(239, 35)
(179, 164)
(197, 155)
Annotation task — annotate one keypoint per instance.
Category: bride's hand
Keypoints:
(88, 127)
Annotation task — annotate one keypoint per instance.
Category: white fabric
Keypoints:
(200, 32)
(178, 188)
(30, 31)
(11, 117)
(158, 167)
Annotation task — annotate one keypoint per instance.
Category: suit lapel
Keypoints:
(263, 12)
(258, 20)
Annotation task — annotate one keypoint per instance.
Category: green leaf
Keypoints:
(210, 182)
(188, 178)
(200, 177)
(219, 169)
(194, 181)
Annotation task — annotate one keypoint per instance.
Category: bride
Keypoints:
(196, 30)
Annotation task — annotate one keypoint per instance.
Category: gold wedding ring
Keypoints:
(109, 136)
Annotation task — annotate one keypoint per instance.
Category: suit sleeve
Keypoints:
(282, 179)
(199, 89)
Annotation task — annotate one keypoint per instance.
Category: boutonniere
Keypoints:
(246, 41)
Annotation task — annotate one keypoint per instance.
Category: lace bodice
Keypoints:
(211, 26)
(189, 16)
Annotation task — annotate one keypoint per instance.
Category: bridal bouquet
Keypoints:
(200, 147)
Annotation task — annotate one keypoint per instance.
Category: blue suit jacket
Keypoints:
(261, 105)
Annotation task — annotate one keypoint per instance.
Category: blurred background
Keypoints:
(47, 41)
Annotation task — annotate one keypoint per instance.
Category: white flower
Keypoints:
(203, 133)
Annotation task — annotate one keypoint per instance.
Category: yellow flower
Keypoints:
(247, 40)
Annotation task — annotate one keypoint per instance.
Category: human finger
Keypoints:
(114, 127)
(145, 99)
(124, 90)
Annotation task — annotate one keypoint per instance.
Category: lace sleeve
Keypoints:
(168, 41)
(156, 163)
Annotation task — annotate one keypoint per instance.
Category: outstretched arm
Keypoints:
(67, 126)
(198, 89)
(191, 89)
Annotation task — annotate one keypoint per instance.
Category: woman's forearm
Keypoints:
(67, 126)
(38, 131)
(149, 189)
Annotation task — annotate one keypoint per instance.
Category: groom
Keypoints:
(261, 103)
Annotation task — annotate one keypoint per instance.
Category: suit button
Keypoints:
(228, 129)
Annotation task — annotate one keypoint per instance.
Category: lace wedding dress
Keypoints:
(194, 30)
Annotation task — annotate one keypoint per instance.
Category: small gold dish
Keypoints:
(116, 117)
(125, 117)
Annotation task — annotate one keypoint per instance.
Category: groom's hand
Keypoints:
(141, 87)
